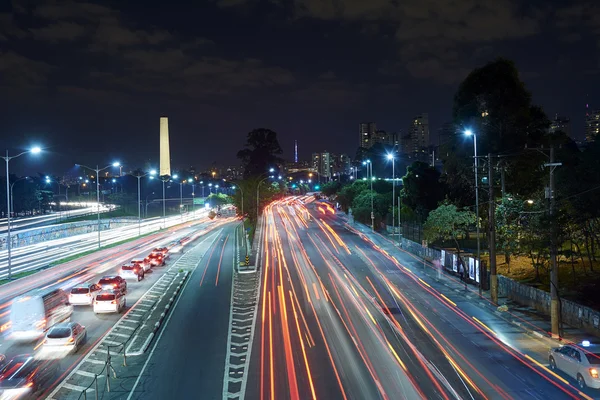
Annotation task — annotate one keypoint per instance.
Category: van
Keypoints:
(34, 312)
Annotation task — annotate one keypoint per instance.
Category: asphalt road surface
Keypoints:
(341, 319)
(188, 361)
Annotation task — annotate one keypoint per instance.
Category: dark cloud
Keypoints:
(19, 71)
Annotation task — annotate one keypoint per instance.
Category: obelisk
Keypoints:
(165, 156)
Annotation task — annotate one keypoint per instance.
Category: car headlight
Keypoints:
(594, 372)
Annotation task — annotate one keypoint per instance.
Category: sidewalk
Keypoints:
(528, 319)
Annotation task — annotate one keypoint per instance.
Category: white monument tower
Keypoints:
(165, 156)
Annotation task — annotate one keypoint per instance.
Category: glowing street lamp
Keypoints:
(152, 173)
(7, 158)
(469, 132)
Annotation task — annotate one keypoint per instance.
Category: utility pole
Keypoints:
(554, 305)
(492, 235)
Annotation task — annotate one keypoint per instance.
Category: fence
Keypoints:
(572, 313)
(37, 235)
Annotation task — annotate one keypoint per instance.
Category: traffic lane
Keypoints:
(189, 360)
(385, 341)
(92, 271)
(96, 324)
(426, 365)
(491, 363)
(63, 272)
(359, 358)
(278, 375)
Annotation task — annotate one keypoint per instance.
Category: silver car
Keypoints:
(66, 335)
(581, 363)
(132, 271)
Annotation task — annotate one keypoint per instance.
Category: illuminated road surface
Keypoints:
(42, 254)
(339, 318)
(91, 268)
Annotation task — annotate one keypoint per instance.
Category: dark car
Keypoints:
(113, 282)
(156, 259)
(23, 376)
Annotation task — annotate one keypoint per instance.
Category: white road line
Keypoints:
(76, 387)
(126, 327)
(88, 374)
(120, 334)
(137, 381)
(111, 343)
(91, 360)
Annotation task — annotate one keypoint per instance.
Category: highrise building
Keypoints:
(417, 138)
(366, 134)
(341, 164)
(165, 156)
(321, 163)
(560, 124)
(592, 125)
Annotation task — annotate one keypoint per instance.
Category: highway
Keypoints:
(342, 319)
(89, 269)
(42, 254)
(21, 223)
(189, 359)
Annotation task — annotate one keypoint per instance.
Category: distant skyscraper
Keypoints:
(366, 134)
(165, 155)
(418, 135)
(560, 124)
(592, 125)
(295, 151)
(322, 163)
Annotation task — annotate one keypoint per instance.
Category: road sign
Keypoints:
(248, 229)
(247, 260)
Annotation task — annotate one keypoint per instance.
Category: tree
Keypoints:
(331, 188)
(218, 199)
(422, 190)
(261, 152)
(494, 103)
(447, 222)
(509, 229)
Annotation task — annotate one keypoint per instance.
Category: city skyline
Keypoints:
(91, 79)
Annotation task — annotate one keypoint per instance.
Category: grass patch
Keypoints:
(86, 253)
(576, 281)
(18, 276)
(118, 213)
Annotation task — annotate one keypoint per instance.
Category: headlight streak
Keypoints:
(516, 354)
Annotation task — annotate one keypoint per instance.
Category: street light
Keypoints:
(180, 195)
(391, 157)
(242, 192)
(139, 177)
(98, 169)
(469, 132)
(7, 158)
(369, 166)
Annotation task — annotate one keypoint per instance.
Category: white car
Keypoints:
(577, 363)
(84, 294)
(109, 302)
(144, 263)
(66, 335)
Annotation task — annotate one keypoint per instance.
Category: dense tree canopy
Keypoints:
(422, 189)
(261, 152)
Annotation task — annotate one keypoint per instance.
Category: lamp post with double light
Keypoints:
(12, 200)
(97, 170)
(7, 158)
(271, 170)
(369, 166)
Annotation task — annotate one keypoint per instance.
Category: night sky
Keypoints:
(89, 80)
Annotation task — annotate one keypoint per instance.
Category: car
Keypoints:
(579, 362)
(162, 250)
(156, 259)
(83, 294)
(132, 271)
(68, 335)
(113, 282)
(143, 262)
(24, 375)
(110, 301)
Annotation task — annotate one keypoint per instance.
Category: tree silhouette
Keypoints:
(261, 152)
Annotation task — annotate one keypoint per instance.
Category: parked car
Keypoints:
(110, 302)
(84, 294)
(132, 271)
(24, 376)
(142, 262)
(113, 282)
(156, 259)
(584, 366)
(65, 335)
